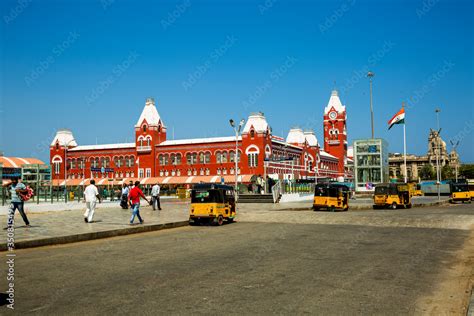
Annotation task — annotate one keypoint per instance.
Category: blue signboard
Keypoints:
(102, 170)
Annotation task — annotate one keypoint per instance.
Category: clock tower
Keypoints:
(335, 133)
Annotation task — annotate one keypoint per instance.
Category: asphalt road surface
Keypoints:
(256, 266)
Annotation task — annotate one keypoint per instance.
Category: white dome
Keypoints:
(310, 137)
(65, 138)
(150, 114)
(258, 121)
(334, 102)
(296, 136)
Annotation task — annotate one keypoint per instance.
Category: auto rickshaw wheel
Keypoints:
(394, 206)
(409, 205)
(220, 220)
(331, 209)
(315, 208)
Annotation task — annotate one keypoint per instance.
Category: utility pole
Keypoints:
(237, 130)
(370, 75)
(438, 171)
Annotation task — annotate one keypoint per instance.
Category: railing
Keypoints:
(144, 148)
(293, 187)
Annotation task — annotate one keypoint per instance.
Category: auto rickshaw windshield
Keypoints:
(460, 188)
(381, 190)
(209, 196)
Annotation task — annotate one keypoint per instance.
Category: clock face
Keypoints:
(332, 115)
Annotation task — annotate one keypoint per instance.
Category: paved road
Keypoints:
(260, 265)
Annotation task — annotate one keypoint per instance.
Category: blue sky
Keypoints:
(89, 66)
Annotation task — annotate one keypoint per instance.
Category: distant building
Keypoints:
(436, 146)
(23, 168)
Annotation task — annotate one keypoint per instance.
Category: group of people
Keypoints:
(260, 185)
(131, 194)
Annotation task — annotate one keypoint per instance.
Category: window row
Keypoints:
(80, 163)
(196, 158)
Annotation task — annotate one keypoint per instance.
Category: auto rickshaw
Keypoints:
(415, 189)
(460, 193)
(470, 184)
(213, 203)
(331, 197)
(392, 195)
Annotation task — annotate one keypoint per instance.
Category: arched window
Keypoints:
(144, 128)
(218, 157)
(207, 157)
(252, 133)
(201, 158)
(178, 159)
(148, 141)
(224, 157)
(57, 145)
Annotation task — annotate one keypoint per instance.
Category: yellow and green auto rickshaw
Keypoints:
(332, 197)
(392, 195)
(214, 203)
(470, 184)
(415, 189)
(460, 192)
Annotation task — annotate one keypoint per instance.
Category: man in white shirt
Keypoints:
(155, 196)
(91, 196)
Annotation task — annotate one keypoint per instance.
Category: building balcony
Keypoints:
(144, 149)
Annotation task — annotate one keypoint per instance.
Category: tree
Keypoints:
(466, 171)
(427, 172)
(447, 172)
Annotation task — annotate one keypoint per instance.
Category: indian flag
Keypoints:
(398, 118)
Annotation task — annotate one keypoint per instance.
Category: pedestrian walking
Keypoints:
(91, 196)
(134, 197)
(17, 203)
(124, 196)
(155, 197)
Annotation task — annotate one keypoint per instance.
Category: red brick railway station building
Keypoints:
(154, 158)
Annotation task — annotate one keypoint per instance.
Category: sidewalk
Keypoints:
(33, 207)
(62, 227)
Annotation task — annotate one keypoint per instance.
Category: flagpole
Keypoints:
(405, 145)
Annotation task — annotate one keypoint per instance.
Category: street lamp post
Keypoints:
(455, 146)
(237, 130)
(370, 75)
(438, 171)
(65, 167)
